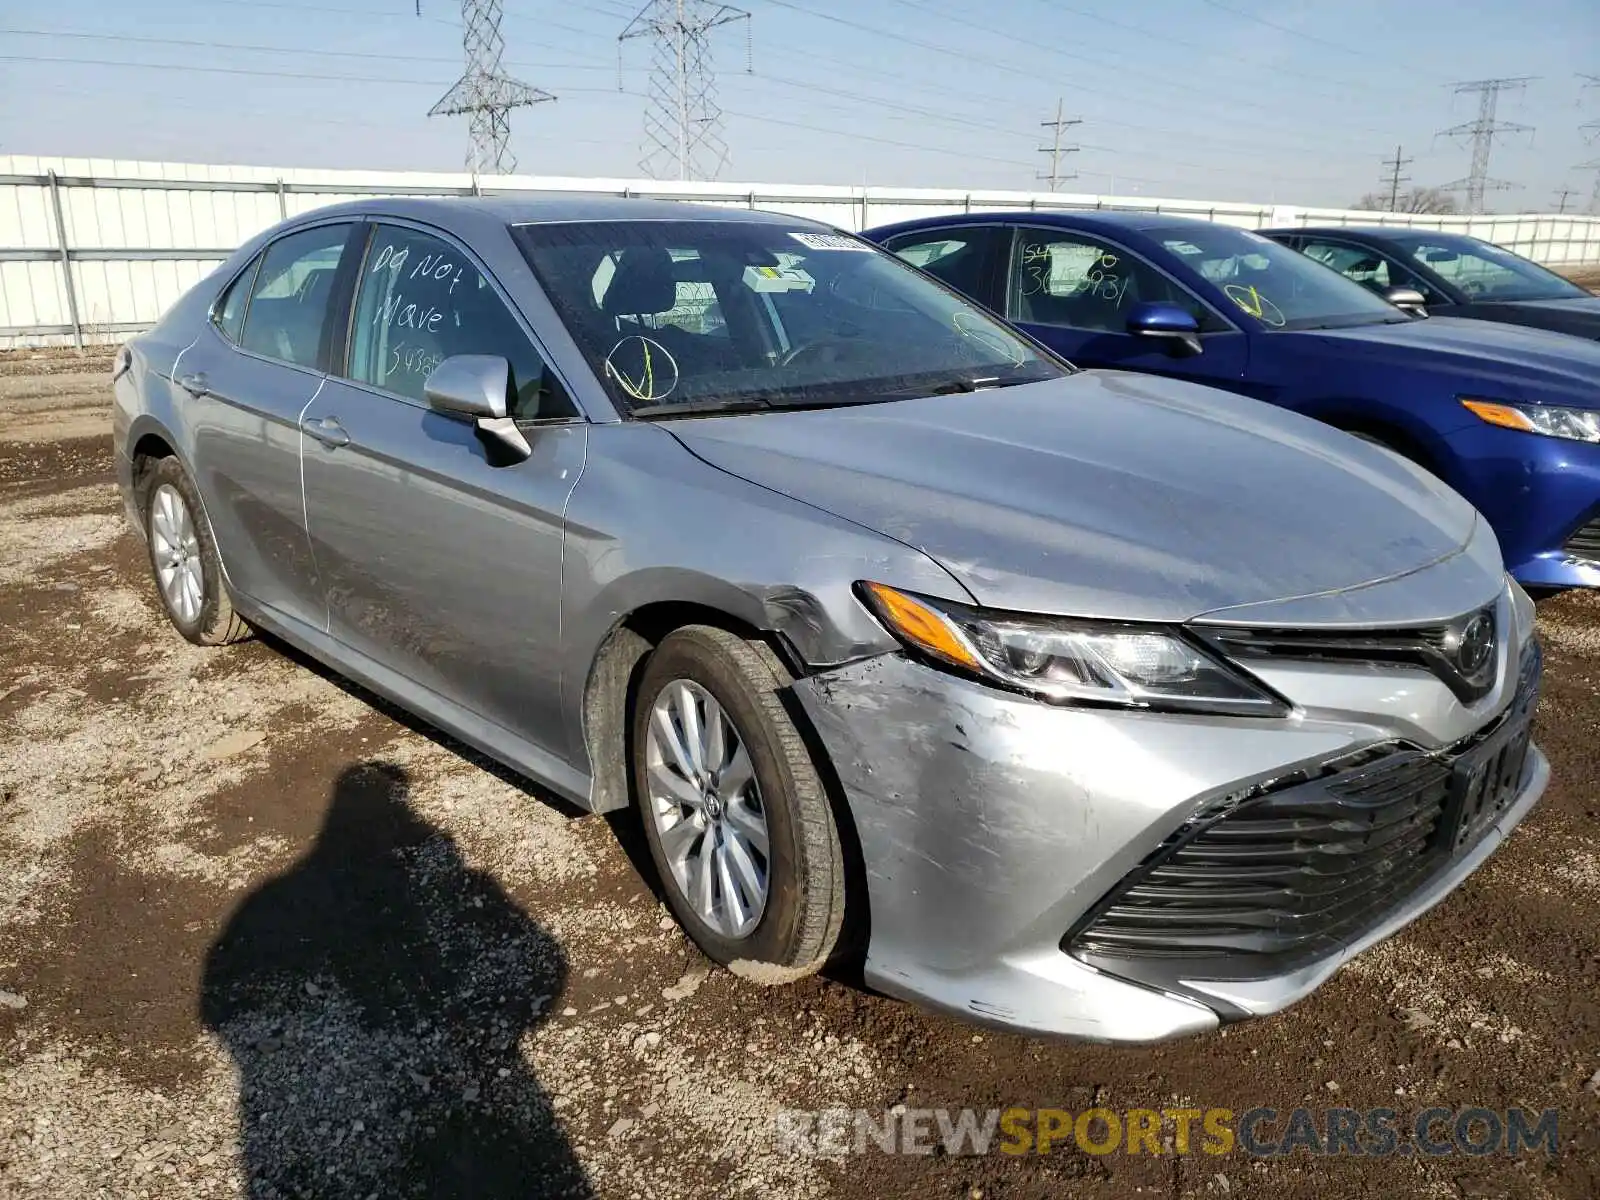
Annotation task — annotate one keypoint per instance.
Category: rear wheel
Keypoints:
(737, 820)
(183, 559)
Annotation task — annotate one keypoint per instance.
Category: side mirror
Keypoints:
(1407, 299)
(1167, 321)
(478, 386)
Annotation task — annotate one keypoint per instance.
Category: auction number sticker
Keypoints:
(829, 241)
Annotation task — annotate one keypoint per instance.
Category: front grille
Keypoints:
(1586, 542)
(1290, 871)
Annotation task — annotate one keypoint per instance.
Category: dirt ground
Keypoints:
(262, 935)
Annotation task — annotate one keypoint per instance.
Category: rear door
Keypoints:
(440, 566)
(254, 368)
(1074, 291)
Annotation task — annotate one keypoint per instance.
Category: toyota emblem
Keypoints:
(1474, 648)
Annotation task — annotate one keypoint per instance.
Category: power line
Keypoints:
(1483, 131)
(682, 122)
(1394, 179)
(1055, 150)
(485, 94)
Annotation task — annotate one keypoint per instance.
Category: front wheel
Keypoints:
(737, 820)
(183, 559)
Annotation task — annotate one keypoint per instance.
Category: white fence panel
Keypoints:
(139, 233)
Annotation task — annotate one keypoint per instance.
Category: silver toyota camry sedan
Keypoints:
(1075, 702)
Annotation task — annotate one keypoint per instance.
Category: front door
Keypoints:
(1074, 291)
(248, 376)
(439, 565)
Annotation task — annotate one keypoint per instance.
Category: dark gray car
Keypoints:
(1456, 275)
(1083, 703)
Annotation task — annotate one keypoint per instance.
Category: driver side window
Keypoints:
(1374, 271)
(1077, 281)
(421, 300)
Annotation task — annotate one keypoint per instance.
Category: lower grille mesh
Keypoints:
(1586, 542)
(1297, 867)
(1287, 871)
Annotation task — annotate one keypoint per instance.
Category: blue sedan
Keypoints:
(1505, 415)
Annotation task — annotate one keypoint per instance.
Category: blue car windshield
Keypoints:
(701, 316)
(1279, 287)
(1485, 272)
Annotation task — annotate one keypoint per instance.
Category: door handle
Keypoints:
(327, 430)
(195, 384)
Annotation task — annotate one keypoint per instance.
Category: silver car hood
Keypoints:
(1105, 494)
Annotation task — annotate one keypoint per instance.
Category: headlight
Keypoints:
(1578, 424)
(1070, 661)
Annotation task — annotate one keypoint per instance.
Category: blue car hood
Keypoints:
(1519, 359)
(1106, 494)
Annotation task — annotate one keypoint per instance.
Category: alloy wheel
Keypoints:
(707, 808)
(176, 550)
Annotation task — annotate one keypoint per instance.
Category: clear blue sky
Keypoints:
(1295, 101)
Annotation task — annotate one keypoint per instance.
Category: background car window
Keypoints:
(1366, 266)
(420, 301)
(1076, 281)
(230, 313)
(960, 257)
(290, 301)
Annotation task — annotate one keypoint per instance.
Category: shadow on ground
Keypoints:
(372, 998)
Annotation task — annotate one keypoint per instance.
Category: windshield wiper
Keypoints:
(689, 408)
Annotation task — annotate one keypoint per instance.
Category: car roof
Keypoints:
(1103, 220)
(1380, 232)
(461, 214)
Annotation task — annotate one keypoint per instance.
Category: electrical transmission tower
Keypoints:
(1591, 130)
(484, 93)
(682, 121)
(1055, 149)
(1393, 177)
(1483, 131)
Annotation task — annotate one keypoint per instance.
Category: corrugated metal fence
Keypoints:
(93, 249)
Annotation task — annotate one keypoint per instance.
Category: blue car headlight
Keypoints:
(1068, 661)
(1575, 424)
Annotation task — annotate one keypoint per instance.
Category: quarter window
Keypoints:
(230, 313)
(420, 301)
(1079, 282)
(289, 303)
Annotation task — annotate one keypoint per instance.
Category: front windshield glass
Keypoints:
(1279, 287)
(1485, 272)
(707, 315)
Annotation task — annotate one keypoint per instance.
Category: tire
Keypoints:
(797, 926)
(183, 548)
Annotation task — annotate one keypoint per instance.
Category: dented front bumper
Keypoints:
(990, 824)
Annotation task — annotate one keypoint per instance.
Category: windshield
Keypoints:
(1485, 272)
(1281, 288)
(707, 315)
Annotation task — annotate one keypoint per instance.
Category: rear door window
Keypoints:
(289, 302)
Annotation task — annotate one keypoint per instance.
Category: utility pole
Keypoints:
(1563, 194)
(485, 93)
(1055, 149)
(1594, 197)
(682, 121)
(1483, 131)
(1394, 178)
